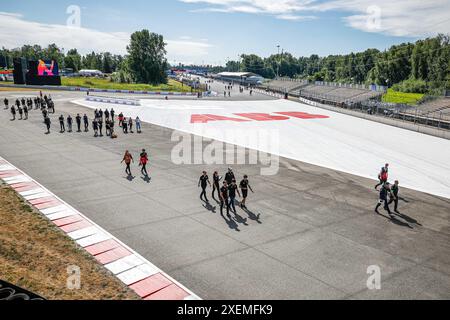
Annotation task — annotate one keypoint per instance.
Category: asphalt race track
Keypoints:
(310, 231)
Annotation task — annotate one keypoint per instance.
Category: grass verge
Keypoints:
(401, 97)
(98, 83)
(35, 254)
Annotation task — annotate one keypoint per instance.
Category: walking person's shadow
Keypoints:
(408, 218)
(130, 177)
(252, 216)
(240, 219)
(209, 207)
(396, 221)
(231, 223)
(146, 179)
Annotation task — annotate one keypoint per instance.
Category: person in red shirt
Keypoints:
(128, 158)
(143, 162)
(383, 175)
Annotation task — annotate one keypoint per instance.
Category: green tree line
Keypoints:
(423, 66)
(145, 61)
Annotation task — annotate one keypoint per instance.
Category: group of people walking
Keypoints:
(23, 106)
(143, 160)
(388, 193)
(127, 124)
(226, 193)
(102, 120)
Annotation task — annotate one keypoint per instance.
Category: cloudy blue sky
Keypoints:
(212, 31)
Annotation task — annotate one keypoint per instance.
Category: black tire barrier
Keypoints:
(10, 292)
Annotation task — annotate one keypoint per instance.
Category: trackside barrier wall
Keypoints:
(445, 134)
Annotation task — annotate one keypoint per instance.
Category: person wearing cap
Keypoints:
(203, 182)
(384, 192)
(229, 176)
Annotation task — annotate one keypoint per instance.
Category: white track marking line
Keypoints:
(137, 274)
(93, 239)
(37, 196)
(61, 214)
(31, 192)
(124, 264)
(6, 167)
(51, 210)
(82, 233)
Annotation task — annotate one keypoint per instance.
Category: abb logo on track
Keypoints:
(245, 117)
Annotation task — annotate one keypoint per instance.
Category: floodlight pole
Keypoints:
(278, 64)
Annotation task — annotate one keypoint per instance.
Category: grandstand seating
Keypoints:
(337, 94)
(284, 85)
(438, 108)
(324, 92)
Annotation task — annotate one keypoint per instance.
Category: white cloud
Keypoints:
(15, 31)
(415, 18)
(293, 17)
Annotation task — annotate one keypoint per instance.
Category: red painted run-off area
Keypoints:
(278, 116)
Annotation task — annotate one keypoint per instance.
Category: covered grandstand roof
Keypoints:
(238, 74)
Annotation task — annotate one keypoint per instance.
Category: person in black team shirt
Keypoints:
(394, 195)
(106, 114)
(203, 182)
(6, 102)
(216, 185)
(229, 176)
(384, 192)
(78, 120)
(20, 112)
(100, 125)
(13, 112)
(86, 123)
(224, 198)
(245, 185)
(95, 127)
(69, 123)
(25, 112)
(232, 188)
(47, 123)
(61, 123)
